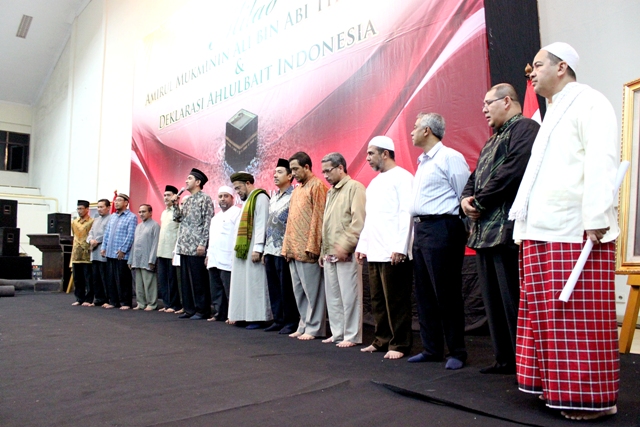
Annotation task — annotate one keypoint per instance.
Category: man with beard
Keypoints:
(249, 295)
(283, 302)
(384, 242)
(193, 236)
(301, 247)
(118, 238)
(343, 221)
(220, 252)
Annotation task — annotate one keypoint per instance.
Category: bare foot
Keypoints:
(230, 322)
(211, 319)
(295, 334)
(181, 311)
(169, 310)
(541, 397)
(91, 305)
(149, 308)
(306, 337)
(370, 349)
(162, 310)
(393, 355)
(86, 304)
(327, 341)
(588, 415)
(346, 344)
(125, 307)
(137, 307)
(76, 303)
(107, 306)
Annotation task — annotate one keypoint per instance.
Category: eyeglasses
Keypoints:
(491, 101)
(328, 171)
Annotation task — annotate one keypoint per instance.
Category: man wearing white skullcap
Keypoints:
(568, 352)
(384, 242)
(219, 258)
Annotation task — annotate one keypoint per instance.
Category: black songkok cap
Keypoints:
(283, 163)
(198, 174)
(171, 188)
(242, 177)
(83, 203)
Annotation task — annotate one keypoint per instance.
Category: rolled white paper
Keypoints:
(586, 250)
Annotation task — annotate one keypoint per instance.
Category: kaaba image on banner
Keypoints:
(241, 140)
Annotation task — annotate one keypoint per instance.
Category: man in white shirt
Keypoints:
(220, 252)
(438, 246)
(568, 352)
(384, 242)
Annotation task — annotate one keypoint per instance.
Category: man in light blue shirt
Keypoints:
(438, 246)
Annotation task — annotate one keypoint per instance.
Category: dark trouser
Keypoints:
(100, 279)
(196, 296)
(499, 281)
(220, 283)
(438, 252)
(283, 301)
(390, 287)
(83, 286)
(168, 283)
(119, 285)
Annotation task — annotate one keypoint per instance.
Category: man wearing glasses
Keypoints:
(341, 227)
(486, 201)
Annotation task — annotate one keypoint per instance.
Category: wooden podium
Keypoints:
(56, 255)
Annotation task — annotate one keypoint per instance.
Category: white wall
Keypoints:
(15, 118)
(604, 33)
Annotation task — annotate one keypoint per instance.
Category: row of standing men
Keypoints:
(267, 261)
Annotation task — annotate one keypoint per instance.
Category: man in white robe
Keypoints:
(249, 293)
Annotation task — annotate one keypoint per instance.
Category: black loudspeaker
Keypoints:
(16, 267)
(9, 241)
(59, 223)
(8, 213)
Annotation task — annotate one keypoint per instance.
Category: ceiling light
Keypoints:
(24, 26)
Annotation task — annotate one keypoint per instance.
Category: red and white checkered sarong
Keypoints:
(568, 351)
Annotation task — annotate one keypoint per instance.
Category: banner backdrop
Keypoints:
(236, 86)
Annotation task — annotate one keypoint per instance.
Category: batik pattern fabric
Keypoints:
(568, 352)
(195, 219)
(277, 222)
(81, 251)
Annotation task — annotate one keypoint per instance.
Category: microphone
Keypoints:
(181, 191)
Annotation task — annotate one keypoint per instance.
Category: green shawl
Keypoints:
(246, 225)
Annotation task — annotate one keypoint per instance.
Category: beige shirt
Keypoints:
(168, 234)
(343, 216)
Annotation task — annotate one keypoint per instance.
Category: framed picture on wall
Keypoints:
(628, 247)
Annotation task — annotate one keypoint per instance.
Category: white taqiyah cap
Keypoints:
(383, 142)
(565, 52)
(226, 189)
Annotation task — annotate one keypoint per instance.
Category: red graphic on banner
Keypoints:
(367, 69)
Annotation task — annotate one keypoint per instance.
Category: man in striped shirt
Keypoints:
(438, 246)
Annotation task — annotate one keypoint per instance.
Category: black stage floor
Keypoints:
(78, 366)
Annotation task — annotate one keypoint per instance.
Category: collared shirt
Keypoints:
(441, 176)
(343, 216)
(304, 225)
(195, 219)
(388, 224)
(277, 223)
(118, 236)
(495, 181)
(168, 234)
(81, 252)
(223, 238)
(97, 233)
(145, 245)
